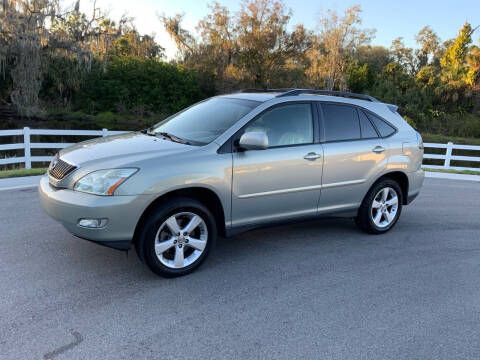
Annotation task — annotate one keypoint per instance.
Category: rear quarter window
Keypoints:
(383, 128)
(366, 127)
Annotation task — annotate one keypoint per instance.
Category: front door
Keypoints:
(284, 180)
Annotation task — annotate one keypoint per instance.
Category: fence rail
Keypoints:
(28, 158)
(448, 157)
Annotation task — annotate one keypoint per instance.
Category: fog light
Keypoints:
(92, 223)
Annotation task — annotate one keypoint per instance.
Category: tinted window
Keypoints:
(383, 128)
(285, 125)
(366, 127)
(341, 122)
(204, 122)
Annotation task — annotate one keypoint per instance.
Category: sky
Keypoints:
(391, 19)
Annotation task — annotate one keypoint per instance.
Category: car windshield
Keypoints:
(204, 122)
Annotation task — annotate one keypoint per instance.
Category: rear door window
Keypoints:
(340, 122)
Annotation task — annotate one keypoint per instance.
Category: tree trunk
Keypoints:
(330, 83)
(476, 100)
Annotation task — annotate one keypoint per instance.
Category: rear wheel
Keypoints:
(381, 207)
(177, 237)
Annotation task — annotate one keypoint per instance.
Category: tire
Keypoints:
(157, 237)
(368, 218)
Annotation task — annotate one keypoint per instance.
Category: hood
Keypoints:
(123, 146)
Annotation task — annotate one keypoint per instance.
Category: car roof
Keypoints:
(387, 111)
(263, 95)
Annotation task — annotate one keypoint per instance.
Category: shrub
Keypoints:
(132, 83)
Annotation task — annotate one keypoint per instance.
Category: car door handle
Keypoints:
(378, 149)
(312, 156)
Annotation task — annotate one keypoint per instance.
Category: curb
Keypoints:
(18, 187)
(451, 176)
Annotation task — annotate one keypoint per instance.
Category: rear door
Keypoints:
(283, 181)
(353, 155)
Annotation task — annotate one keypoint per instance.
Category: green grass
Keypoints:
(21, 172)
(451, 171)
(443, 139)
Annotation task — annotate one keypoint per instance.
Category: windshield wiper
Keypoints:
(174, 138)
(168, 136)
(147, 132)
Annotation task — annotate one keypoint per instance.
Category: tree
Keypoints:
(404, 56)
(359, 77)
(23, 33)
(473, 61)
(454, 65)
(427, 75)
(457, 52)
(91, 36)
(429, 51)
(249, 48)
(35, 33)
(183, 39)
(218, 51)
(264, 41)
(375, 56)
(339, 39)
(131, 43)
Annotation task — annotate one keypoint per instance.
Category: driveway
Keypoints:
(316, 290)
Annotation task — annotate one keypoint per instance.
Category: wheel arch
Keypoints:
(398, 176)
(204, 195)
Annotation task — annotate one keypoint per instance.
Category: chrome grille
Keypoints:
(59, 168)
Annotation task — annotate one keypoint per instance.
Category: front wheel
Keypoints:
(177, 237)
(381, 207)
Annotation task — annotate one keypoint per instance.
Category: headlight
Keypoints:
(103, 182)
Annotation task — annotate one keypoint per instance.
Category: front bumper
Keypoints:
(68, 206)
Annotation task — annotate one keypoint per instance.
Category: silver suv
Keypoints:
(232, 163)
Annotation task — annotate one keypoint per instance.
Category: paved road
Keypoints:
(317, 290)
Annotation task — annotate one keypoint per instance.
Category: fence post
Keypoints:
(104, 132)
(26, 142)
(448, 155)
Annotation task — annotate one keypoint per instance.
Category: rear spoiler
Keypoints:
(393, 108)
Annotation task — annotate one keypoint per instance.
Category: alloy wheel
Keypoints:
(181, 240)
(384, 207)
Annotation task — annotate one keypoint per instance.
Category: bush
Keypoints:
(129, 83)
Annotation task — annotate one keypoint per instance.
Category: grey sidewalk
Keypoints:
(19, 182)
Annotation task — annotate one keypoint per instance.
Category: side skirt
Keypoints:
(245, 228)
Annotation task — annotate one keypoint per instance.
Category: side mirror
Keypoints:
(254, 141)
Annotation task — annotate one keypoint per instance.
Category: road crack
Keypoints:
(78, 339)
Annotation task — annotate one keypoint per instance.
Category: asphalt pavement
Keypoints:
(313, 290)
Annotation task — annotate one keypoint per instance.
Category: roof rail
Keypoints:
(264, 90)
(296, 92)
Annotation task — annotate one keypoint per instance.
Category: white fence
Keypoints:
(27, 145)
(448, 157)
